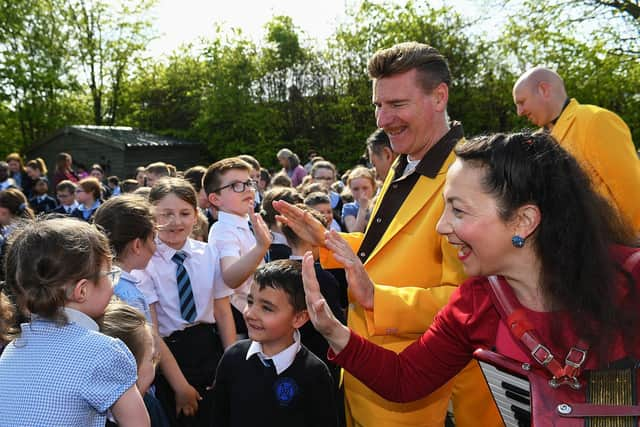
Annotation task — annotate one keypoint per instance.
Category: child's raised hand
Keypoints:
(360, 285)
(260, 230)
(336, 334)
(187, 400)
(302, 223)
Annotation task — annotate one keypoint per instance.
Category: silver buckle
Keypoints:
(583, 356)
(548, 358)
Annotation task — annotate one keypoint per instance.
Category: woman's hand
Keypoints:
(336, 334)
(302, 223)
(360, 285)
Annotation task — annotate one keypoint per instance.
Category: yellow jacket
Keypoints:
(601, 142)
(415, 271)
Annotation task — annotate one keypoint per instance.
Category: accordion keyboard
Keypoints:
(511, 393)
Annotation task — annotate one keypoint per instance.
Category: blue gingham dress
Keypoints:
(62, 376)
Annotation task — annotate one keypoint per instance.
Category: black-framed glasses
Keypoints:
(239, 187)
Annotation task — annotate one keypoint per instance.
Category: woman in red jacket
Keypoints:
(521, 213)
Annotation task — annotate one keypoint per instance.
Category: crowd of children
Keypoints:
(197, 263)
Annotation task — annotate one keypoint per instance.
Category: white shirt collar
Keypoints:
(233, 219)
(282, 360)
(278, 238)
(296, 257)
(167, 252)
(81, 319)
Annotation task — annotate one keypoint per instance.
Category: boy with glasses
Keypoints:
(240, 235)
(66, 194)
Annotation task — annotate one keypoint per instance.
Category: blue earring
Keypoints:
(517, 241)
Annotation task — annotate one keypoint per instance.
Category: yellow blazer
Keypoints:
(415, 271)
(601, 142)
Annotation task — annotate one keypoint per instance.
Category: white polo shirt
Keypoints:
(231, 236)
(158, 284)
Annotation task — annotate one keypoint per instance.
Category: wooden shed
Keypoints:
(119, 150)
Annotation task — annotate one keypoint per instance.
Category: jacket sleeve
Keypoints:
(614, 160)
(411, 310)
(326, 257)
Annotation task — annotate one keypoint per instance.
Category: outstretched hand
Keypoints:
(302, 223)
(360, 285)
(336, 334)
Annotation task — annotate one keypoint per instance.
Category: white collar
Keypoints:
(282, 360)
(81, 319)
(296, 257)
(233, 219)
(167, 252)
(278, 238)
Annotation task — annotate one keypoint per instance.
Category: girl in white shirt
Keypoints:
(189, 305)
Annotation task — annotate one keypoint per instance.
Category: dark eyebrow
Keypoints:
(266, 302)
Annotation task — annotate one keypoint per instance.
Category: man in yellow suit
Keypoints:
(599, 139)
(413, 270)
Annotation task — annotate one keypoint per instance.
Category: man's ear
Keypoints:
(78, 293)
(441, 96)
(544, 89)
(300, 318)
(527, 219)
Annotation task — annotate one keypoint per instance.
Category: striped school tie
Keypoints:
(187, 303)
(267, 256)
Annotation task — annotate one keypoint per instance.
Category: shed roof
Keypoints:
(121, 137)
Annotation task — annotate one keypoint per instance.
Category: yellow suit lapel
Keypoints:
(565, 122)
(422, 193)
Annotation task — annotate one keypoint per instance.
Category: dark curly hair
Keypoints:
(577, 227)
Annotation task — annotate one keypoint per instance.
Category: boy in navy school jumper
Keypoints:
(41, 202)
(240, 236)
(272, 379)
(329, 288)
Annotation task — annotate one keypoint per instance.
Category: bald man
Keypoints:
(598, 138)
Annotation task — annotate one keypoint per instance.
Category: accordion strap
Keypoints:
(521, 328)
(516, 319)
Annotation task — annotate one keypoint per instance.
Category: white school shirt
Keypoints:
(282, 360)
(158, 284)
(231, 236)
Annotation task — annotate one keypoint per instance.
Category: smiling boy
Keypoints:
(271, 379)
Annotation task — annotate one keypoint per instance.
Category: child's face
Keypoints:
(147, 249)
(271, 318)
(5, 216)
(176, 219)
(147, 366)
(361, 187)
(152, 178)
(326, 211)
(140, 176)
(99, 293)
(66, 198)
(33, 173)
(41, 187)
(227, 200)
(83, 196)
(14, 166)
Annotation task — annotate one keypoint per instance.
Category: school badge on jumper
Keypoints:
(286, 390)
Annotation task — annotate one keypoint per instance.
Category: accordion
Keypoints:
(525, 395)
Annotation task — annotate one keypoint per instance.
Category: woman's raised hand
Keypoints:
(336, 334)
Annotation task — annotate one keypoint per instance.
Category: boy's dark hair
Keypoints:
(66, 185)
(129, 185)
(288, 194)
(113, 180)
(283, 274)
(124, 219)
(377, 141)
(281, 180)
(291, 235)
(194, 176)
(315, 199)
(46, 257)
(213, 177)
(158, 168)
